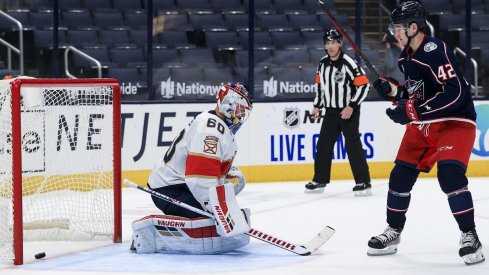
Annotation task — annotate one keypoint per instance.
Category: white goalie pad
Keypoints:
(172, 234)
(236, 178)
(229, 218)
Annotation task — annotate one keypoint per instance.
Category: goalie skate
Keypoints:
(314, 187)
(362, 189)
(385, 243)
(471, 248)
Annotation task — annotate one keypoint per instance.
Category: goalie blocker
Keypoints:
(172, 234)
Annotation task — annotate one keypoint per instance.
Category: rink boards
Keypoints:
(278, 142)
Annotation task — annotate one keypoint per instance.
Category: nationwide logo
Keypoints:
(291, 117)
(171, 89)
(481, 145)
(272, 87)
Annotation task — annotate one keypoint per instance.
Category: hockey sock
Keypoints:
(462, 208)
(397, 206)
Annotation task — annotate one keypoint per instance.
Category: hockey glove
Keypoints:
(405, 112)
(387, 88)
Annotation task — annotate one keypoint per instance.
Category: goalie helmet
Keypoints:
(407, 13)
(332, 34)
(233, 101)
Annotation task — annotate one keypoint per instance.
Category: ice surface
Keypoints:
(429, 242)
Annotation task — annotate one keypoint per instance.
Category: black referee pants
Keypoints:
(333, 125)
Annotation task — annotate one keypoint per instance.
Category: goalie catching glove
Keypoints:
(236, 178)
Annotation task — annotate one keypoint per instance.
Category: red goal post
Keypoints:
(60, 161)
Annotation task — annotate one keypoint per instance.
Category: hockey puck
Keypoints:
(40, 255)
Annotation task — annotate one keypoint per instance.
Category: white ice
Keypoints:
(429, 242)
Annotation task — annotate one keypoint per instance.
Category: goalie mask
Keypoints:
(234, 103)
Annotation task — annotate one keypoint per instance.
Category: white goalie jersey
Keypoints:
(200, 156)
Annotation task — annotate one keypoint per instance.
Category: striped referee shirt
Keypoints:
(340, 83)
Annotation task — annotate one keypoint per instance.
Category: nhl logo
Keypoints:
(291, 117)
(338, 76)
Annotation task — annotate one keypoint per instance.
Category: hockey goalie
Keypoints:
(197, 170)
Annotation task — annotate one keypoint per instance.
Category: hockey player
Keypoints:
(437, 107)
(196, 170)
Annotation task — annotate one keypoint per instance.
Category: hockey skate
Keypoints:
(314, 187)
(385, 243)
(362, 189)
(471, 248)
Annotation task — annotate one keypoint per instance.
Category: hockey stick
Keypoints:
(304, 250)
(348, 39)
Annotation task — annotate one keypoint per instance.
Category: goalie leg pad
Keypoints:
(230, 220)
(173, 234)
(144, 236)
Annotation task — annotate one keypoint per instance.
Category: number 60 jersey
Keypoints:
(200, 156)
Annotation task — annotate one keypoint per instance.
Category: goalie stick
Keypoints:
(304, 250)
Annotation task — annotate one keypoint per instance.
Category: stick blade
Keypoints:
(321, 238)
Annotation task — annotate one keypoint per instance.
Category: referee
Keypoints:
(341, 88)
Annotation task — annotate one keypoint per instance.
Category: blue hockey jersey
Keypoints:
(433, 78)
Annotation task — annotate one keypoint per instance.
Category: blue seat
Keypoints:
(262, 38)
(312, 38)
(114, 36)
(282, 39)
(101, 53)
(20, 14)
(139, 37)
(287, 5)
(271, 21)
(222, 5)
(125, 55)
(260, 5)
(217, 39)
(458, 6)
(135, 18)
(44, 38)
(480, 22)
(79, 38)
(290, 56)
(192, 4)
(451, 21)
(165, 5)
(299, 21)
(202, 21)
(187, 74)
(164, 55)
(41, 19)
(123, 5)
(76, 18)
(68, 4)
(479, 39)
(217, 76)
(108, 19)
(286, 74)
(125, 75)
(96, 4)
(437, 6)
(236, 20)
(262, 55)
(173, 38)
(197, 55)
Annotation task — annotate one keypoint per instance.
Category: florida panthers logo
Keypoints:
(415, 89)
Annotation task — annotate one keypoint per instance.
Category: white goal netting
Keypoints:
(67, 152)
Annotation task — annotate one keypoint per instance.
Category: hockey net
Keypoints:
(59, 162)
